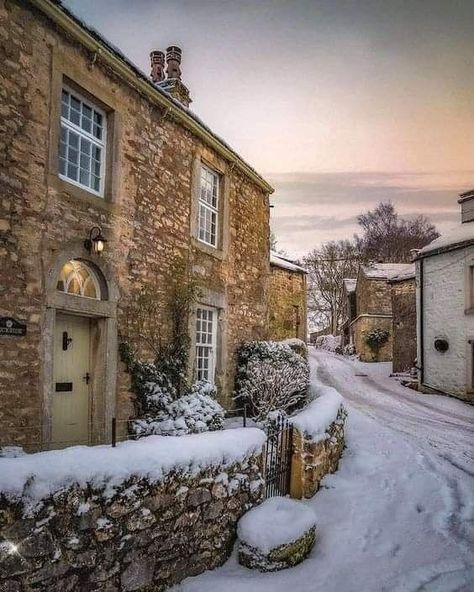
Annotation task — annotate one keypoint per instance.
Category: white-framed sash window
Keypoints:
(206, 343)
(208, 207)
(82, 142)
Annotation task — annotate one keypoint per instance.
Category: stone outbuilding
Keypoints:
(112, 193)
(445, 303)
(287, 299)
(373, 302)
(403, 292)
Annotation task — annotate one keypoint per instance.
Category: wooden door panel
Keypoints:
(71, 406)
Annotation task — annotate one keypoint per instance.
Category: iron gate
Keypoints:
(278, 454)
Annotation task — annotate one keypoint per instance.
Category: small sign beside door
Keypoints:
(11, 327)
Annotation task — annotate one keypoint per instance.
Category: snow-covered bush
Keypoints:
(376, 338)
(198, 411)
(331, 343)
(298, 346)
(349, 349)
(270, 376)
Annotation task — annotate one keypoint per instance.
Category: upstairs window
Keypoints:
(82, 142)
(206, 338)
(208, 206)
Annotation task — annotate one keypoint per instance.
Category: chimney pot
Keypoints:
(173, 61)
(157, 62)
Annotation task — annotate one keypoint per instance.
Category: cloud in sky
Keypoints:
(313, 208)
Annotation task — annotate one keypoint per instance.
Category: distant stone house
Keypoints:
(445, 297)
(93, 150)
(403, 293)
(373, 305)
(287, 299)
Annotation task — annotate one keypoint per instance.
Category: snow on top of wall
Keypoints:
(382, 270)
(407, 273)
(277, 521)
(316, 418)
(459, 234)
(280, 261)
(350, 284)
(36, 476)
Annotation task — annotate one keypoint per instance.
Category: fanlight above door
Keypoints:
(78, 279)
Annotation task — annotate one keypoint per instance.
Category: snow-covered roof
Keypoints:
(350, 284)
(407, 273)
(88, 35)
(466, 195)
(382, 271)
(459, 236)
(279, 261)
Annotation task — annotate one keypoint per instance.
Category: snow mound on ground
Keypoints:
(316, 418)
(329, 343)
(36, 476)
(277, 521)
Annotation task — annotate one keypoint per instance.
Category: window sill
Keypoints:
(212, 251)
(76, 193)
(469, 311)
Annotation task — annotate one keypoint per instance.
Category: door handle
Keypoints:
(86, 377)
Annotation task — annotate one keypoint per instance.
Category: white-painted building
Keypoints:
(445, 304)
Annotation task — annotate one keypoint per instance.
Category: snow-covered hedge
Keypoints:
(162, 411)
(270, 376)
(297, 345)
(331, 343)
(196, 412)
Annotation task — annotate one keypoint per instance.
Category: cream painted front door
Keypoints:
(71, 406)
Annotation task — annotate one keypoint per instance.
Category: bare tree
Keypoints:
(389, 238)
(327, 267)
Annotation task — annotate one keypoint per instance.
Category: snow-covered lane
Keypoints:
(398, 516)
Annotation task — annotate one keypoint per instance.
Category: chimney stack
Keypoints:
(172, 83)
(157, 59)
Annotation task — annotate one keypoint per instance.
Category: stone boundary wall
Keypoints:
(145, 536)
(314, 458)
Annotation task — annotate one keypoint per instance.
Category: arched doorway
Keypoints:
(81, 365)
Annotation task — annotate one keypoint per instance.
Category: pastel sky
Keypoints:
(338, 103)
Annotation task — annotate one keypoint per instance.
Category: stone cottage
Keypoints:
(373, 304)
(110, 189)
(403, 293)
(287, 299)
(445, 298)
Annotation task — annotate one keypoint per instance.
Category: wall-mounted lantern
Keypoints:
(96, 241)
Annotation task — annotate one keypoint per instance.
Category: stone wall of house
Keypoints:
(404, 325)
(287, 304)
(373, 296)
(146, 536)
(447, 314)
(313, 459)
(359, 330)
(147, 215)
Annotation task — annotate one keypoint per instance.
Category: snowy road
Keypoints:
(398, 516)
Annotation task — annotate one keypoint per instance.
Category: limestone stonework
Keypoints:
(313, 459)
(148, 213)
(374, 311)
(147, 536)
(287, 303)
(404, 324)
